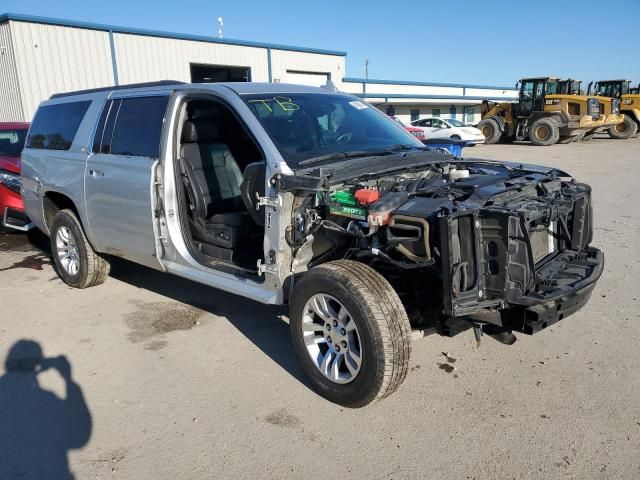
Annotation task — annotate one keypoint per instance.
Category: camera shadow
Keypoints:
(37, 428)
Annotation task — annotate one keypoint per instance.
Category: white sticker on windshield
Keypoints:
(357, 104)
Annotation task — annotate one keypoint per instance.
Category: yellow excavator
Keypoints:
(544, 114)
(629, 99)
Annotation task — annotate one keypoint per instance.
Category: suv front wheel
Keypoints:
(77, 263)
(350, 332)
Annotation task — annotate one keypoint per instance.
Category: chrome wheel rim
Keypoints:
(67, 250)
(332, 339)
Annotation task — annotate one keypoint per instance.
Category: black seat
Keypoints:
(212, 179)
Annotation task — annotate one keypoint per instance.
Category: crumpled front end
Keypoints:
(523, 261)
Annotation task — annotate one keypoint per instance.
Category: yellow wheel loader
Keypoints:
(629, 99)
(542, 114)
(609, 107)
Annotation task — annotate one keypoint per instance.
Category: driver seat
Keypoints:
(212, 178)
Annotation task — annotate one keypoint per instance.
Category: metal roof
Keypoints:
(17, 17)
(432, 97)
(423, 84)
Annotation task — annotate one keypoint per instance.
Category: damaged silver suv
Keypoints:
(309, 197)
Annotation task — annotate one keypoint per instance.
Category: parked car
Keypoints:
(416, 132)
(12, 216)
(296, 195)
(434, 127)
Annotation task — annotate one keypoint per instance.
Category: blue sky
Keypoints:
(489, 42)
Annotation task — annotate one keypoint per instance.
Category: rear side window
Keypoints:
(131, 126)
(55, 126)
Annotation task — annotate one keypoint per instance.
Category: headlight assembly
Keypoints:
(615, 105)
(10, 180)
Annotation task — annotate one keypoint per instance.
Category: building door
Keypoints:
(452, 111)
(313, 79)
(202, 73)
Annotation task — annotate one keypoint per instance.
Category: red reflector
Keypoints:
(366, 196)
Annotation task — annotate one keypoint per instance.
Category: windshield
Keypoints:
(12, 142)
(614, 89)
(308, 125)
(453, 122)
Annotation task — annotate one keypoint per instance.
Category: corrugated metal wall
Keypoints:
(142, 58)
(54, 59)
(10, 104)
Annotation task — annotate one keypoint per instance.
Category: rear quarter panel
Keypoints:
(60, 171)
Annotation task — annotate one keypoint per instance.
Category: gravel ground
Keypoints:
(170, 379)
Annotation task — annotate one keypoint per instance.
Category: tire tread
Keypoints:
(389, 315)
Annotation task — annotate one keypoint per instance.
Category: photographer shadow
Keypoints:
(37, 428)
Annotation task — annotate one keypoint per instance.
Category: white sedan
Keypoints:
(448, 128)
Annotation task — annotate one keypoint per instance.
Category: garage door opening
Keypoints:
(201, 73)
(313, 79)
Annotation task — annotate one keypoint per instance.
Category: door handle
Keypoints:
(96, 173)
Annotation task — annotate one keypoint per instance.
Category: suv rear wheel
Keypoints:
(350, 332)
(77, 263)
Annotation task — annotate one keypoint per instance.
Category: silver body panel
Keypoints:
(116, 196)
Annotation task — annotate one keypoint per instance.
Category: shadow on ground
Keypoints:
(37, 428)
(264, 325)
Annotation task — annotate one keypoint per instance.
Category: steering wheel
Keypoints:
(344, 138)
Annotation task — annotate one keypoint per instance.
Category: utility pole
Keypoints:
(366, 68)
(220, 25)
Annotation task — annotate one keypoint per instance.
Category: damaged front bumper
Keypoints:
(521, 269)
(564, 287)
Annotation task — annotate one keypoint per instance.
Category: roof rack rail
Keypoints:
(161, 83)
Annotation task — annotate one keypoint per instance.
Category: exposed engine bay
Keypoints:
(486, 242)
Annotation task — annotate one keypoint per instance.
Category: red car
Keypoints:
(12, 138)
(416, 132)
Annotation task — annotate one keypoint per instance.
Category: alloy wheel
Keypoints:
(67, 251)
(332, 339)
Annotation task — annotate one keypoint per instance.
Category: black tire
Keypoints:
(506, 139)
(544, 132)
(624, 130)
(491, 130)
(383, 329)
(455, 137)
(93, 267)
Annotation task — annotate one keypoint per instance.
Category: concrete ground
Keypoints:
(170, 379)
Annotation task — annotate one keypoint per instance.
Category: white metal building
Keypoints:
(413, 100)
(41, 56)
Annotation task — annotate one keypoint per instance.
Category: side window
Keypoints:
(437, 123)
(131, 126)
(426, 123)
(55, 126)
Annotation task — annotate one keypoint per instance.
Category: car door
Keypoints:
(438, 128)
(118, 177)
(425, 125)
